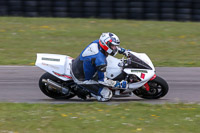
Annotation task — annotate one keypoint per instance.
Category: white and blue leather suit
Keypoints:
(89, 67)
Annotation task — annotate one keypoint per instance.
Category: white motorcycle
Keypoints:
(137, 70)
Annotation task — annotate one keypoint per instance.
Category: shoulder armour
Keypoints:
(92, 49)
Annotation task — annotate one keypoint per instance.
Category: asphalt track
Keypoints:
(19, 84)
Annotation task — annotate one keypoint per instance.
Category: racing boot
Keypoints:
(104, 95)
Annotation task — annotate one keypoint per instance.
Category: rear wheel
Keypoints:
(158, 88)
(51, 93)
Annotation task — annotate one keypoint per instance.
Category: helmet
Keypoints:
(109, 42)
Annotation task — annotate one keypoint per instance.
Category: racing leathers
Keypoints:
(88, 71)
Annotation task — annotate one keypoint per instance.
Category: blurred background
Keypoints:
(178, 10)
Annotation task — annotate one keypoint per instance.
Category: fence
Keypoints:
(178, 10)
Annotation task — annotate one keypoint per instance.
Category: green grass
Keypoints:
(99, 118)
(166, 43)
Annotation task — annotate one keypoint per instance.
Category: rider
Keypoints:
(89, 68)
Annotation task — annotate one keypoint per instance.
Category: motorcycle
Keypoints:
(137, 69)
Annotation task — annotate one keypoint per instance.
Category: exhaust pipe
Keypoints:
(55, 85)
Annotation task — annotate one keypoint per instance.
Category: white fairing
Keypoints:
(114, 69)
(57, 65)
(145, 58)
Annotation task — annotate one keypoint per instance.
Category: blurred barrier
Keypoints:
(178, 10)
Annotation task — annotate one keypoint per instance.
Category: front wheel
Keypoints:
(50, 93)
(158, 88)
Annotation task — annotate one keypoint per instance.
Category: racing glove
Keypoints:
(123, 51)
(122, 84)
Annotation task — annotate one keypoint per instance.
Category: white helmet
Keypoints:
(107, 41)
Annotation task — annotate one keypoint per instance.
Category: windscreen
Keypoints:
(135, 62)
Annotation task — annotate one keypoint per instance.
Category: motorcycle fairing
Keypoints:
(113, 68)
(135, 62)
(143, 69)
(57, 65)
(62, 75)
(141, 60)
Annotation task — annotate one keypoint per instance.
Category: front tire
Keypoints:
(158, 88)
(52, 94)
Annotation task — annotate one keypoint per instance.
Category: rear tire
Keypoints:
(49, 93)
(158, 88)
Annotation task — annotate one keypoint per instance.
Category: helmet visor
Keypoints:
(113, 47)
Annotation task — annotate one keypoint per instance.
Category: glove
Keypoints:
(123, 51)
(122, 84)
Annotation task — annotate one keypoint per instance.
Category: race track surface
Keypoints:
(20, 84)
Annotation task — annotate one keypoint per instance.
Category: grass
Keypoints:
(166, 43)
(99, 117)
